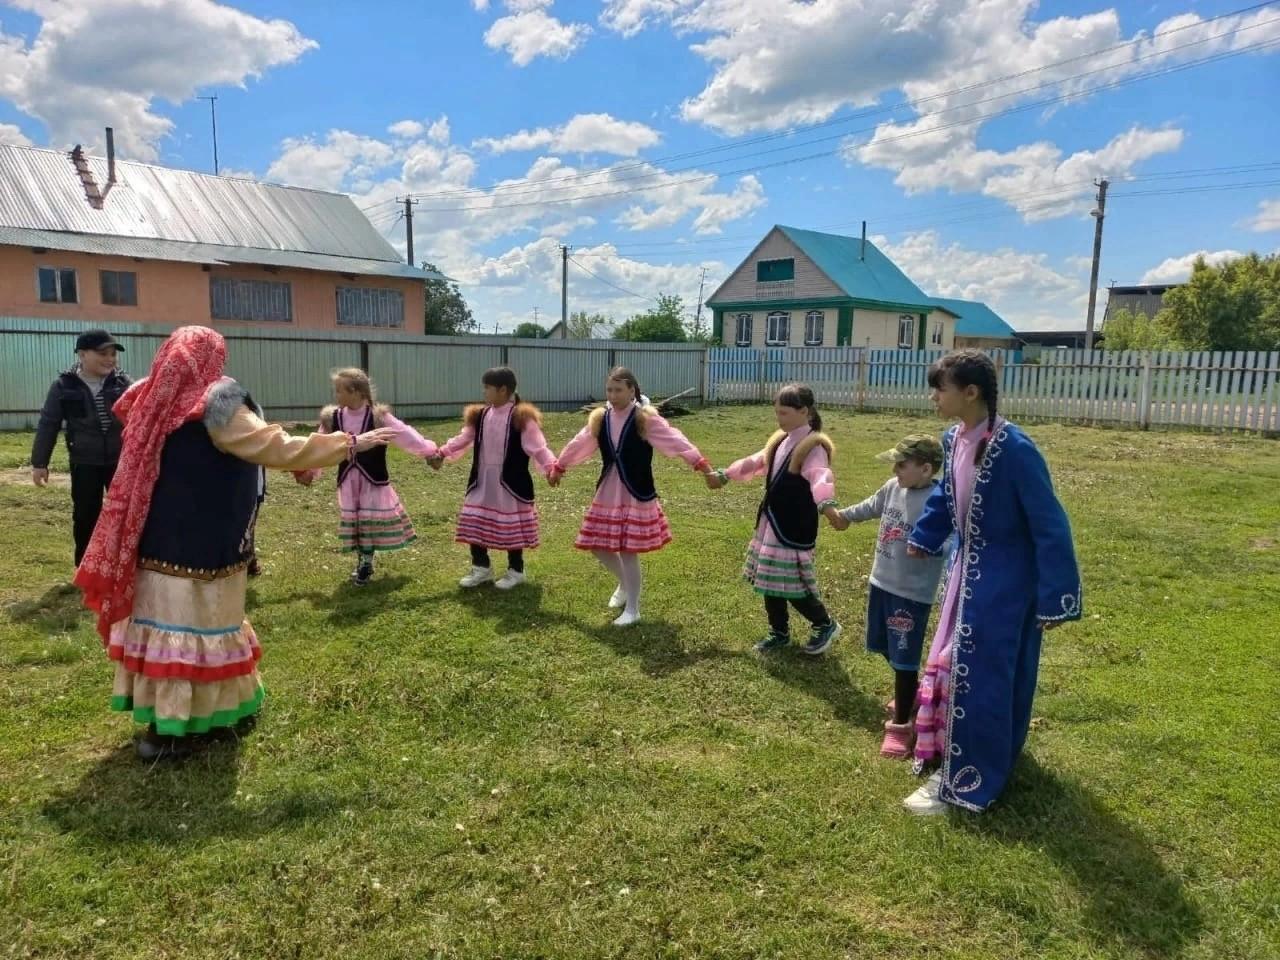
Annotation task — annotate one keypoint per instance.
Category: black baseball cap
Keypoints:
(96, 340)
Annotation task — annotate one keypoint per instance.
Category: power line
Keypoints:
(540, 183)
(608, 283)
(1018, 108)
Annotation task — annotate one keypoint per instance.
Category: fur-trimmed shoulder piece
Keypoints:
(222, 401)
(595, 419)
(472, 413)
(326, 417)
(772, 444)
(380, 413)
(805, 447)
(525, 414)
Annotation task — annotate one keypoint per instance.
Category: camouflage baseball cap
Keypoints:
(918, 446)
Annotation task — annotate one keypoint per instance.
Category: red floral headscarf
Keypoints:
(184, 368)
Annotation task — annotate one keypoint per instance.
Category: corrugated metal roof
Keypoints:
(976, 319)
(40, 190)
(209, 253)
(868, 275)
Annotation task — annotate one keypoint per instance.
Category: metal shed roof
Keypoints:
(154, 208)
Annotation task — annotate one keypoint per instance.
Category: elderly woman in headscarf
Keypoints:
(165, 569)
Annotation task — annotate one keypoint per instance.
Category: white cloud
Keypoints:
(406, 129)
(585, 133)
(12, 135)
(1266, 219)
(533, 33)
(668, 206)
(1034, 178)
(326, 164)
(1020, 286)
(1178, 269)
(99, 63)
(480, 4)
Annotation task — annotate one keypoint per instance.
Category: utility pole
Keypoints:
(697, 315)
(213, 117)
(564, 287)
(409, 203)
(1099, 213)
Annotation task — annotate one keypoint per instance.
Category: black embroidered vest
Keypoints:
(788, 505)
(372, 462)
(632, 458)
(515, 462)
(202, 508)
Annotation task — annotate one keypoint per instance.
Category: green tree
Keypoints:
(446, 311)
(1137, 331)
(1232, 306)
(663, 324)
(530, 331)
(582, 325)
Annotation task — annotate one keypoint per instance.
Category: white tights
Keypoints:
(626, 569)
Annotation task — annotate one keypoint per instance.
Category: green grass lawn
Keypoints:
(475, 774)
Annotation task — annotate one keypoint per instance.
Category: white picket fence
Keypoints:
(1220, 390)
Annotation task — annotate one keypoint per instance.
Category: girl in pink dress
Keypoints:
(498, 511)
(370, 515)
(799, 486)
(625, 519)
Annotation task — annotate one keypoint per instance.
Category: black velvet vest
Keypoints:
(372, 462)
(202, 508)
(788, 505)
(515, 462)
(632, 458)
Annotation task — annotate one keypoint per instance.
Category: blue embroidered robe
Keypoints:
(1017, 566)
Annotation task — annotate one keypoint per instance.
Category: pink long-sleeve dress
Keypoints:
(370, 515)
(773, 568)
(491, 516)
(616, 520)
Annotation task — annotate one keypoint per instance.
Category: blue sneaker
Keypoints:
(774, 641)
(821, 638)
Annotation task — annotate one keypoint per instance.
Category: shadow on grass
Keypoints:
(347, 604)
(122, 801)
(825, 678)
(58, 611)
(655, 644)
(1133, 901)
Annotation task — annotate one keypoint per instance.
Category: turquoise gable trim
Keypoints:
(863, 273)
(833, 302)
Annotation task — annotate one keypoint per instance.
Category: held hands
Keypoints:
(374, 438)
(838, 522)
(304, 477)
(40, 476)
(1046, 625)
(554, 474)
(435, 462)
(915, 552)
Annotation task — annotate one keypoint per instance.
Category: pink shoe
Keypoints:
(897, 740)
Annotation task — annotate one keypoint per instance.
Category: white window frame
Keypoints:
(57, 277)
(936, 338)
(783, 319)
(815, 323)
(740, 338)
(907, 323)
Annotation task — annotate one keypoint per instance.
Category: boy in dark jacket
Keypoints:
(82, 399)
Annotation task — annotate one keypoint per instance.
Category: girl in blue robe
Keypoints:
(1012, 576)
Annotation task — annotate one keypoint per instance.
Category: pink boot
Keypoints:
(897, 740)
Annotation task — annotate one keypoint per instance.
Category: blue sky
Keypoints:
(659, 138)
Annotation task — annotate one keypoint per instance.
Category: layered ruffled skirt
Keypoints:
(186, 659)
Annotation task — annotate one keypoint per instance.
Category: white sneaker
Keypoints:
(619, 599)
(512, 578)
(477, 576)
(628, 618)
(924, 802)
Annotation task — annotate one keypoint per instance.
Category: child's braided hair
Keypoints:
(970, 368)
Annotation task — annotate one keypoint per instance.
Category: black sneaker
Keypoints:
(821, 638)
(774, 641)
(152, 747)
(254, 569)
(363, 573)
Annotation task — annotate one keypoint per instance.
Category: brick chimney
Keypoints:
(81, 164)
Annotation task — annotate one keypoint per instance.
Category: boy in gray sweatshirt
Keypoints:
(902, 588)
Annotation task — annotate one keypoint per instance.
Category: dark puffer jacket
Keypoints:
(70, 402)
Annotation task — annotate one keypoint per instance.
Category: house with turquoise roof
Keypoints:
(804, 288)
